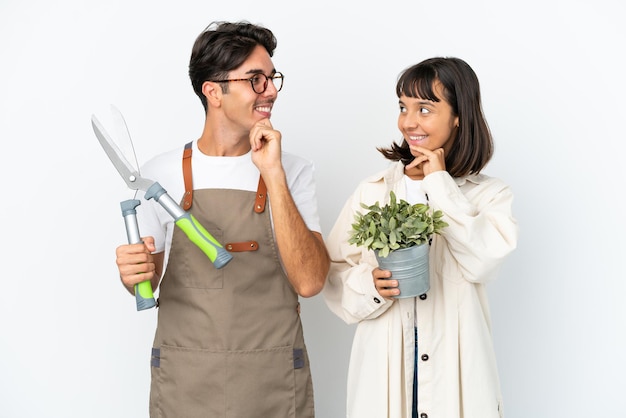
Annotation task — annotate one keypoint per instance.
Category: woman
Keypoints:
(431, 355)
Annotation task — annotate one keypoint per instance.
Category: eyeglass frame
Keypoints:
(267, 79)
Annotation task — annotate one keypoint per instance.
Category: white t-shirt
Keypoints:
(414, 193)
(210, 172)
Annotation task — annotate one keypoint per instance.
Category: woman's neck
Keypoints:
(415, 173)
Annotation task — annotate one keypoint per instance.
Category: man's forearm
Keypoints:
(302, 251)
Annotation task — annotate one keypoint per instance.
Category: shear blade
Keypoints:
(128, 172)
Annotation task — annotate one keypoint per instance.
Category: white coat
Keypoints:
(457, 373)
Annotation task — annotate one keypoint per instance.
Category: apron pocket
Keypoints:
(201, 383)
(188, 383)
(203, 275)
(261, 383)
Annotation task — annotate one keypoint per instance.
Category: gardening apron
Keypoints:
(229, 341)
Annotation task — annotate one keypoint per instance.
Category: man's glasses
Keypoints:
(259, 81)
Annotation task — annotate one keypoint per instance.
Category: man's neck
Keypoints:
(223, 142)
(217, 148)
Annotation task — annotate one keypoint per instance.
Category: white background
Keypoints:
(553, 81)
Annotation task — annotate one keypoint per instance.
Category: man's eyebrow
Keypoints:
(260, 71)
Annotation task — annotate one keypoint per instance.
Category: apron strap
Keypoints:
(235, 247)
(259, 203)
(261, 196)
(187, 176)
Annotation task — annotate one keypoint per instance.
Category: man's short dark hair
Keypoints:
(223, 47)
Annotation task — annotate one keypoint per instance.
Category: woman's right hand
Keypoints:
(385, 286)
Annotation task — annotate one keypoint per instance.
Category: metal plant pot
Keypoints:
(409, 266)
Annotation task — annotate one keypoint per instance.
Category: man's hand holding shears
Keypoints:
(137, 264)
(145, 281)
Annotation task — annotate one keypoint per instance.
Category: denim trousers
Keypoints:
(415, 380)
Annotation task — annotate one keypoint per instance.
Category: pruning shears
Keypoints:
(153, 190)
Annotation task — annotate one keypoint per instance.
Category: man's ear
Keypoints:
(213, 93)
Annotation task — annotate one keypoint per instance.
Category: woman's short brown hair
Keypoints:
(473, 147)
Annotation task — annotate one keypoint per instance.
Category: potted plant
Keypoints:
(399, 234)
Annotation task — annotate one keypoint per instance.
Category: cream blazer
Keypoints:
(457, 373)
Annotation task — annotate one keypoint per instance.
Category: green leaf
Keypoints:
(392, 237)
(372, 228)
(377, 245)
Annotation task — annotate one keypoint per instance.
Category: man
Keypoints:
(229, 341)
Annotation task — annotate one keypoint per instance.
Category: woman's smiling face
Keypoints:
(426, 123)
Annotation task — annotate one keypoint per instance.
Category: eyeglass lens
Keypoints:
(260, 81)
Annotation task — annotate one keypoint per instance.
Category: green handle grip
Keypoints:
(143, 291)
(204, 240)
(190, 226)
(144, 296)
